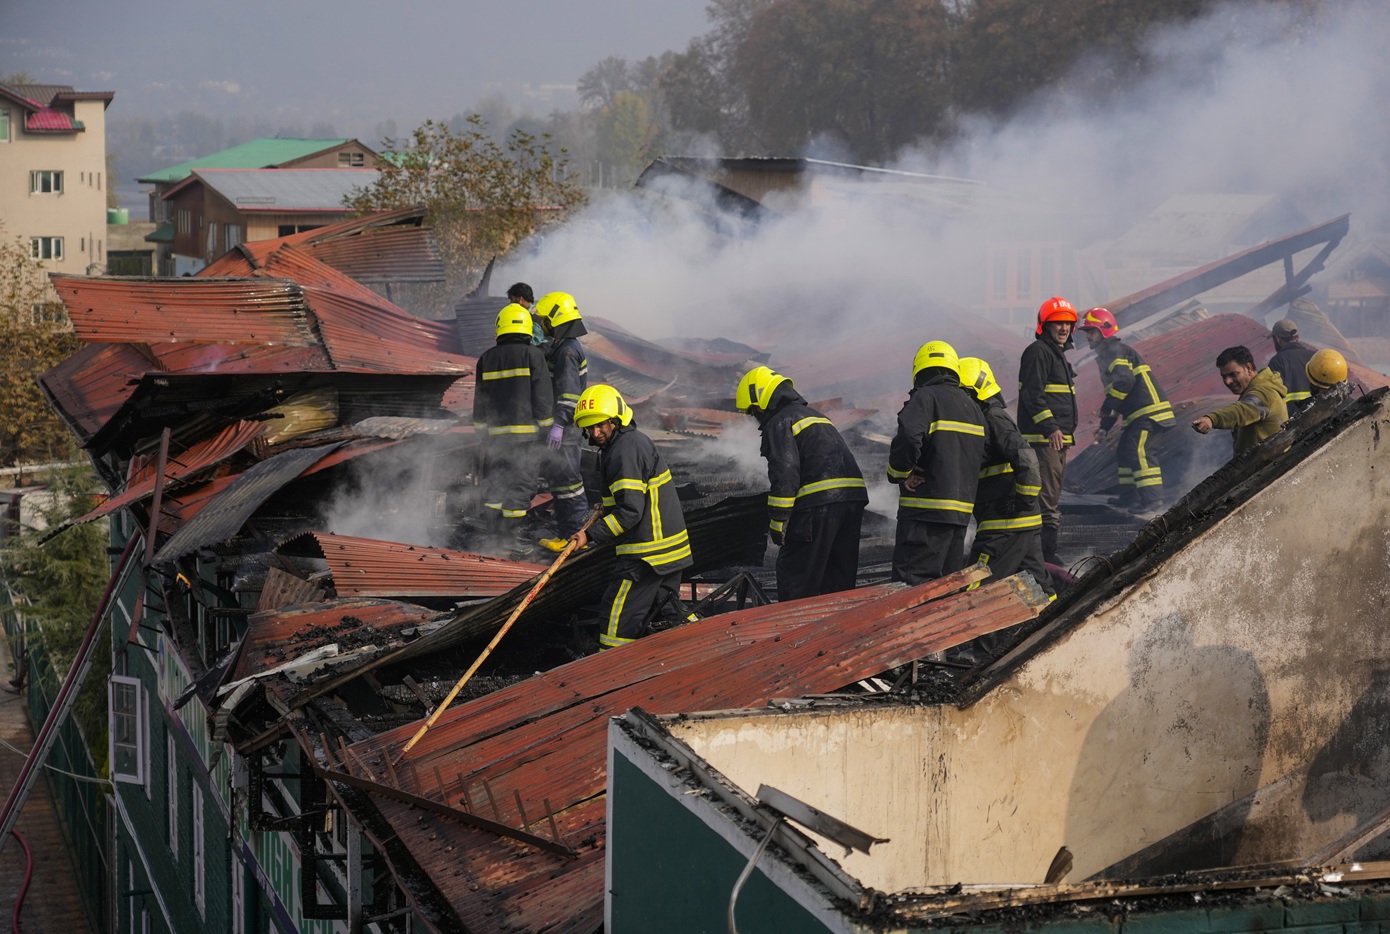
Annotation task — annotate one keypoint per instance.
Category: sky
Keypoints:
(350, 63)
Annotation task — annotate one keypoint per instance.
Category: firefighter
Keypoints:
(817, 496)
(642, 515)
(1134, 399)
(1008, 522)
(1290, 361)
(1258, 412)
(935, 460)
(1326, 370)
(522, 294)
(1047, 409)
(511, 407)
(569, 376)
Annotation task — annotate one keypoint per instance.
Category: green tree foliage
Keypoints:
(482, 198)
(625, 134)
(605, 81)
(34, 336)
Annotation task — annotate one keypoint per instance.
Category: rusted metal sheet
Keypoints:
(206, 311)
(1193, 283)
(544, 739)
(396, 254)
(364, 567)
(89, 387)
(286, 634)
(222, 519)
(377, 336)
(187, 357)
(283, 589)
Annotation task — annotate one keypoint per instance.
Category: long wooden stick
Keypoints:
(472, 669)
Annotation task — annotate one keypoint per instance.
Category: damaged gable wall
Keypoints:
(1230, 708)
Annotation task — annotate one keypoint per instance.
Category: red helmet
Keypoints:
(1100, 319)
(1055, 308)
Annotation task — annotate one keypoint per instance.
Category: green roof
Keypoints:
(256, 154)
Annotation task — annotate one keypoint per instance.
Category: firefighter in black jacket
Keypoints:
(1047, 409)
(1008, 524)
(935, 459)
(1290, 361)
(642, 515)
(817, 496)
(511, 407)
(1133, 398)
(569, 375)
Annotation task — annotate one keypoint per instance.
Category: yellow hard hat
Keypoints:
(1326, 368)
(756, 388)
(935, 354)
(558, 308)
(513, 319)
(977, 378)
(599, 403)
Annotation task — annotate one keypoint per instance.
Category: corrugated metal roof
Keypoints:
(544, 739)
(396, 254)
(89, 387)
(222, 519)
(364, 567)
(285, 634)
(206, 311)
(279, 190)
(378, 336)
(266, 152)
(283, 589)
(48, 120)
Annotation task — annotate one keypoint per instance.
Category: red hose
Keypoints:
(28, 873)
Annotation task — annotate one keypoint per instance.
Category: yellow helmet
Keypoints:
(513, 319)
(977, 378)
(599, 403)
(1326, 368)
(935, 353)
(557, 308)
(756, 388)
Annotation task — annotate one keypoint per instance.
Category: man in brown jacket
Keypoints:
(1259, 411)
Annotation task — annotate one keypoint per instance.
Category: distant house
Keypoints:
(265, 153)
(216, 209)
(1357, 293)
(52, 173)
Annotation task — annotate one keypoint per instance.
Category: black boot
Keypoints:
(1125, 499)
(1049, 544)
(1149, 502)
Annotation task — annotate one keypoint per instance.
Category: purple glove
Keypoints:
(557, 432)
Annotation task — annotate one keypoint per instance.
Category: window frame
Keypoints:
(52, 245)
(6, 125)
(171, 751)
(199, 855)
(51, 178)
(139, 718)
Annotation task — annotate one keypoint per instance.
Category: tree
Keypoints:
(602, 83)
(482, 198)
(34, 336)
(625, 134)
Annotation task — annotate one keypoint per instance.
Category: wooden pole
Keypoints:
(472, 669)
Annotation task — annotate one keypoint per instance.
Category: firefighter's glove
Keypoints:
(1106, 423)
(776, 537)
(557, 434)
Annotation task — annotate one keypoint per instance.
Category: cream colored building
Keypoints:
(53, 174)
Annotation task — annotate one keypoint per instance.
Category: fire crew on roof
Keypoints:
(935, 459)
(1260, 410)
(569, 374)
(1047, 409)
(642, 515)
(817, 496)
(1290, 361)
(1134, 398)
(1008, 525)
(511, 407)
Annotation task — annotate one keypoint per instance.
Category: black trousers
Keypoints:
(627, 604)
(509, 477)
(1010, 551)
(820, 550)
(924, 551)
(560, 470)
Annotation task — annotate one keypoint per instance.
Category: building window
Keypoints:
(1024, 284)
(128, 728)
(238, 898)
(233, 235)
(185, 221)
(200, 895)
(212, 238)
(46, 247)
(172, 751)
(4, 125)
(45, 182)
(352, 159)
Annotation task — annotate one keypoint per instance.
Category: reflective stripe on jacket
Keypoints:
(808, 463)
(512, 399)
(1046, 392)
(941, 436)
(1291, 364)
(569, 375)
(1131, 392)
(642, 512)
(1010, 480)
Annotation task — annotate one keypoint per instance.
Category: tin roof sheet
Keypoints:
(89, 387)
(266, 152)
(395, 254)
(276, 191)
(364, 567)
(48, 120)
(544, 739)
